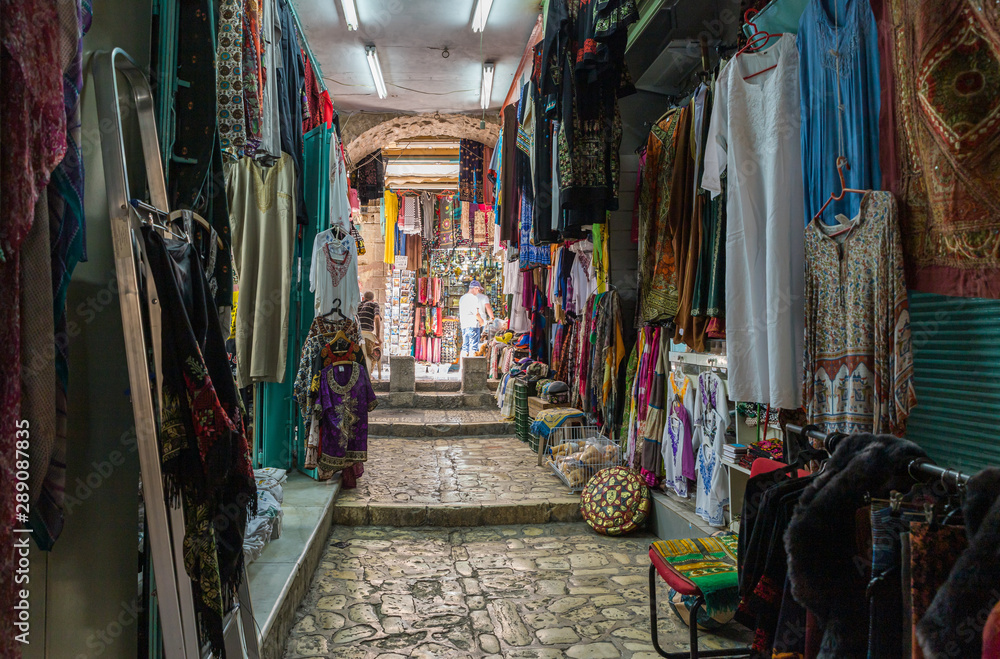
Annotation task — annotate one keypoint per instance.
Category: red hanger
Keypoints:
(757, 40)
(841, 163)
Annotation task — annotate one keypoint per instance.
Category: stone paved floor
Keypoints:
(455, 482)
(467, 470)
(508, 592)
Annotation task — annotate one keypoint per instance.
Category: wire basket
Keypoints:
(576, 453)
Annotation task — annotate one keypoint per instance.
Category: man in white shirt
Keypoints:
(472, 307)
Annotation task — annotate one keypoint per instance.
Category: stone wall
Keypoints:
(365, 132)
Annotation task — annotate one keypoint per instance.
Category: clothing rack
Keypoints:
(921, 469)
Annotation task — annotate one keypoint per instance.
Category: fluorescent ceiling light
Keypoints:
(350, 14)
(376, 67)
(486, 90)
(481, 14)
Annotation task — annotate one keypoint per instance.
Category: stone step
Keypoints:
(436, 400)
(361, 513)
(421, 430)
(432, 386)
(465, 481)
(423, 386)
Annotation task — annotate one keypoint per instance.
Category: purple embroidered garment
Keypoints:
(345, 397)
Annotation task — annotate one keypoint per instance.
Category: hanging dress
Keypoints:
(678, 452)
(262, 211)
(711, 418)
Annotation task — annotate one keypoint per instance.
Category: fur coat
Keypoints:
(827, 568)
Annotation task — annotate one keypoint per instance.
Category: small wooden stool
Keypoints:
(684, 586)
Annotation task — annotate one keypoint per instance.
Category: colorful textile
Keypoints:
(946, 59)
(552, 418)
(370, 178)
(859, 356)
(67, 242)
(839, 80)
(470, 171)
(253, 88)
(657, 271)
(346, 397)
(306, 387)
(391, 206)
(933, 552)
(615, 501)
(34, 142)
(710, 564)
(204, 451)
(229, 60)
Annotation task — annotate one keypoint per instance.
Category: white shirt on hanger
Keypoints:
(340, 200)
(711, 418)
(753, 137)
(333, 274)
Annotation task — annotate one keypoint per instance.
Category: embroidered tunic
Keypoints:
(334, 274)
(346, 397)
(678, 452)
(858, 358)
(711, 418)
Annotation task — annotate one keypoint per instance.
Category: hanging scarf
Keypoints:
(204, 452)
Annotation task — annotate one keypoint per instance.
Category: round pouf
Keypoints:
(615, 501)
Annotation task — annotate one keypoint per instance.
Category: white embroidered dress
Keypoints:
(677, 448)
(711, 418)
(334, 273)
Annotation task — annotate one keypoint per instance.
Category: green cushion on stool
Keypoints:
(709, 564)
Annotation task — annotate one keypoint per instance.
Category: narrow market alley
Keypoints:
(499, 329)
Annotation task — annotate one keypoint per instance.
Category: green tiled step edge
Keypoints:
(275, 630)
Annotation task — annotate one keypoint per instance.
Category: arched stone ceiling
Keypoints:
(456, 126)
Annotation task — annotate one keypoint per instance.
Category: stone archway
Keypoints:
(457, 126)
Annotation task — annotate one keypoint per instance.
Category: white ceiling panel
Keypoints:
(410, 36)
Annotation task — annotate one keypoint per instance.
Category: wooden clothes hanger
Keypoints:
(841, 163)
(756, 42)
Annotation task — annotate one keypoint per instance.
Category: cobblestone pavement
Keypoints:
(464, 470)
(506, 592)
(455, 482)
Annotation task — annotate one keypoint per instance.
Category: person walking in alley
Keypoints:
(473, 308)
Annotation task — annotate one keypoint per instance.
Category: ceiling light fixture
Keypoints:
(481, 14)
(486, 90)
(376, 67)
(350, 14)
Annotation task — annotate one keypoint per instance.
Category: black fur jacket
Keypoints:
(827, 568)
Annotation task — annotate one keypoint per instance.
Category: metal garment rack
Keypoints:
(165, 523)
(921, 469)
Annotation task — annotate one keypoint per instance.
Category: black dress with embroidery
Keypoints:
(204, 453)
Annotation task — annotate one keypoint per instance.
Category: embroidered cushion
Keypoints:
(615, 501)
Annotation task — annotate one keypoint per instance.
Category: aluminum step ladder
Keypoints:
(165, 523)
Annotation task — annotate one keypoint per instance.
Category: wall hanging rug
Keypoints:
(708, 563)
(616, 501)
(946, 158)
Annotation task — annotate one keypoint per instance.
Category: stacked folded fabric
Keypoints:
(733, 452)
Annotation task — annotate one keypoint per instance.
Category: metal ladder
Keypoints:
(165, 523)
